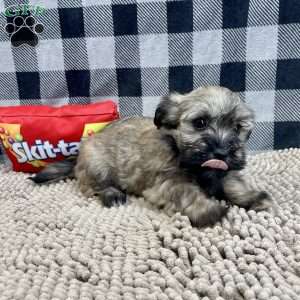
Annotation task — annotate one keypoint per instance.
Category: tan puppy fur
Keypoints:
(162, 160)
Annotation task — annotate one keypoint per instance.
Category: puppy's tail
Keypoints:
(56, 171)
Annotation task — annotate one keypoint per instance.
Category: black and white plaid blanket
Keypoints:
(134, 51)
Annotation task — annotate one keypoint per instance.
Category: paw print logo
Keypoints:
(24, 31)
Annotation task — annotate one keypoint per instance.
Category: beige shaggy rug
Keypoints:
(56, 244)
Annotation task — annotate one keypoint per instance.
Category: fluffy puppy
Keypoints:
(186, 160)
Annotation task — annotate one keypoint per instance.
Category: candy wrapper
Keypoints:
(33, 136)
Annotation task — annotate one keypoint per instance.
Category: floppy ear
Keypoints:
(248, 134)
(250, 123)
(247, 130)
(247, 116)
(166, 114)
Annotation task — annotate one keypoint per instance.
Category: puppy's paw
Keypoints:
(261, 201)
(210, 215)
(112, 197)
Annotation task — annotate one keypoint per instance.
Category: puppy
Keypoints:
(184, 161)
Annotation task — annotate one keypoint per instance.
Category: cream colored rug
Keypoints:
(56, 244)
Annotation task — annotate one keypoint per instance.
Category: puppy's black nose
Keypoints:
(220, 153)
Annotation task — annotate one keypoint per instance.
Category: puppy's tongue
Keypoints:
(215, 164)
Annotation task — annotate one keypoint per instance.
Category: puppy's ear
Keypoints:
(247, 118)
(247, 130)
(250, 124)
(166, 114)
(248, 134)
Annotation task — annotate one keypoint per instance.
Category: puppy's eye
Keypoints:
(200, 123)
(237, 128)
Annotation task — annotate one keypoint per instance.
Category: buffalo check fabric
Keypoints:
(135, 51)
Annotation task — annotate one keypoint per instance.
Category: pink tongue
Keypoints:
(215, 164)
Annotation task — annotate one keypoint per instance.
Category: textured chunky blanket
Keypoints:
(56, 244)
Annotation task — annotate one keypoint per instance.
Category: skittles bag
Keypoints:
(33, 136)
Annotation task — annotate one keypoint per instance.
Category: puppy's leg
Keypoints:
(187, 198)
(238, 192)
(100, 184)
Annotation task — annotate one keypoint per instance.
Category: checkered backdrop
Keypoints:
(135, 51)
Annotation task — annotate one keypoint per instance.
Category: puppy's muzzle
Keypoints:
(220, 153)
(216, 154)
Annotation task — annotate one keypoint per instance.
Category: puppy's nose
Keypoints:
(220, 153)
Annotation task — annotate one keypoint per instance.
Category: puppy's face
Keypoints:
(209, 127)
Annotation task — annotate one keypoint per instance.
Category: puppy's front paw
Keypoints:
(208, 216)
(261, 201)
(112, 196)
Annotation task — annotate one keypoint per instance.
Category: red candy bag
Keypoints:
(33, 136)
